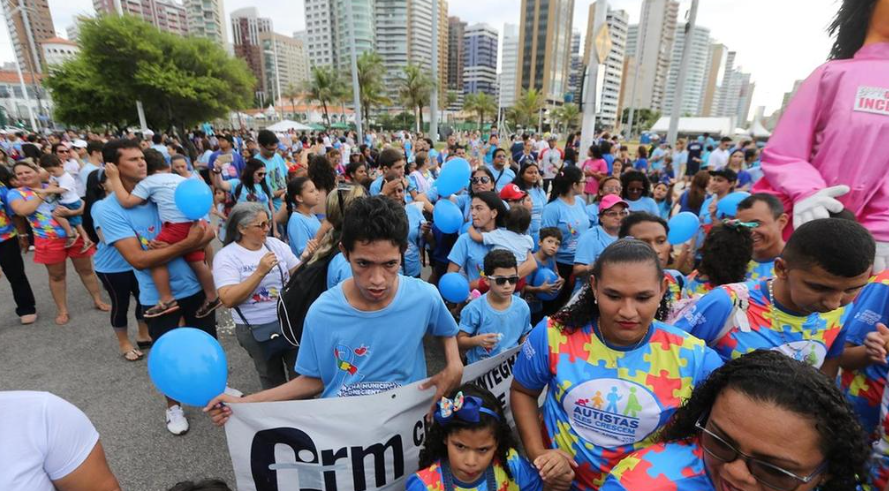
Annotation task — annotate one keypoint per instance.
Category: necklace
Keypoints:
(601, 337)
(772, 312)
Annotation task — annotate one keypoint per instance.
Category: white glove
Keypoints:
(881, 260)
(819, 205)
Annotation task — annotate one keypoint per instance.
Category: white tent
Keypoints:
(697, 126)
(287, 125)
(757, 130)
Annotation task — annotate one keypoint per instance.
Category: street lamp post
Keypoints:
(433, 99)
(34, 55)
(356, 89)
(683, 71)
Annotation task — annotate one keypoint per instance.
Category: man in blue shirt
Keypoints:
(231, 162)
(365, 335)
(132, 232)
(276, 168)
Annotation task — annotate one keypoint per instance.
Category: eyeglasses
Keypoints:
(501, 280)
(610, 189)
(767, 474)
(260, 174)
(261, 225)
(614, 214)
(482, 180)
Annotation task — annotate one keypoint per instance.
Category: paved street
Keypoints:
(80, 363)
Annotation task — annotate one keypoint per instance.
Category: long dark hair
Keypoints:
(697, 192)
(321, 173)
(770, 377)
(520, 182)
(249, 182)
(95, 191)
(564, 180)
(294, 189)
(584, 310)
(436, 449)
(850, 27)
(494, 202)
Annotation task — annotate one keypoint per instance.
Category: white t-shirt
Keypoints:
(73, 167)
(43, 438)
(234, 264)
(66, 182)
(718, 159)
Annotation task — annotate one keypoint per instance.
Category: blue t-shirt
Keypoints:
(338, 269)
(646, 204)
(810, 338)
(609, 159)
(673, 466)
(359, 353)
(591, 244)
(663, 210)
(86, 170)
(415, 220)
(143, 223)
(538, 201)
(479, 317)
(470, 256)
(501, 177)
(489, 157)
(524, 477)
(603, 402)
(301, 229)
(229, 170)
(534, 303)
(376, 187)
(641, 165)
(160, 188)
(758, 270)
(592, 212)
(257, 195)
(107, 258)
(275, 175)
(572, 220)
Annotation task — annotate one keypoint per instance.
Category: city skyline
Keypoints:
(773, 66)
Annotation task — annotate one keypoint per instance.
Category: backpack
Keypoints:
(306, 284)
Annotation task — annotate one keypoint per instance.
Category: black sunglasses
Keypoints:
(482, 179)
(501, 280)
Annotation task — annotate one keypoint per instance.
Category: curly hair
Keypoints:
(321, 173)
(632, 176)
(436, 448)
(726, 252)
(772, 377)
(583, 310)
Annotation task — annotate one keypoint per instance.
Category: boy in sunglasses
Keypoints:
(498, 320)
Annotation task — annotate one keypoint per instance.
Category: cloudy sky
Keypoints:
(777, 41)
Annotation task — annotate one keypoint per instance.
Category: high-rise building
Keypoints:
(480, 59)
(715, 64)
(575, 73)
(362, 24)
(696, 72)
(320, 32)
(508, 65)
(29, 53)
(284, 62)
(653, 51)
(206, 19)
(735, 93)
(247, 25)
(165, 15)
(612, 71)
(73, 31)
(392, 19)
(443, 59)
(456, 30)
(545, 47)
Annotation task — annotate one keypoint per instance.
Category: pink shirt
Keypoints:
(835, 131)
(598, 165)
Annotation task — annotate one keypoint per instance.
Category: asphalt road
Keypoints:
(80, 363)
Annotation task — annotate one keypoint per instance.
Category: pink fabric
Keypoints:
(822, 140)
(598, 165)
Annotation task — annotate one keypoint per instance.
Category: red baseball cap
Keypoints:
(610, 200)
(511, 192)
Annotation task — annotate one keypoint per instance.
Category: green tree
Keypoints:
(180, 81)
(415, 90)
(292, 93)
(566, 116)
(526, 109)
(481, 104)
(451, 98)
(643, 119)
(325, 86)
(370, 83)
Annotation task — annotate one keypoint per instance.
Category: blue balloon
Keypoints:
(545, 275)
(683, 227)
(193, 198)
(454, 176)
(447, 216)
(465, 227)
(454, 287)
(188, 365)
(728, 206)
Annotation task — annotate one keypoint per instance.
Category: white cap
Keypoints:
(78, 143)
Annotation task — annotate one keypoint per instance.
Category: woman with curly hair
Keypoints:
(761, 422)
(726, 253)
(614, 374)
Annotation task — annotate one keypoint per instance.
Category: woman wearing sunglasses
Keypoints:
(761, 422)
(614, 374)
(482, 180)
(250, 187)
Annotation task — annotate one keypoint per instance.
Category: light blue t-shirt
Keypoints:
(646, 204)
(301, 229)
(518, 244)
(376, 187)
(107, 258)
(538, 201)
(356, 352)
(592, 211)
(275, 176)
(571, 220)
(257, 195)
(144, 223)
(160, 188)
(591, 244)
(86, 170)
(338, 269)
(479, 317)
(500, 181)
(415, 220)
(469, 255)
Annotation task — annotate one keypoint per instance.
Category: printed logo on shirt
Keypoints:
(528, 350)
(809, 352)
(263, 294)
(874, 100)
(349, 376)
(694, 318)
(868, 317)
(612, 412)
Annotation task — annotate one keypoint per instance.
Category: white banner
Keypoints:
(343, 444)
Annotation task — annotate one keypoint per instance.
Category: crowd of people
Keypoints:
(740, 359)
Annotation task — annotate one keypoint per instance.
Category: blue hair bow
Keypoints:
(464, 408)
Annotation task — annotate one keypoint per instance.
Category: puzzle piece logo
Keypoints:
(612, 412)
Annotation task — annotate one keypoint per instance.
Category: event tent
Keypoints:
(287, 125)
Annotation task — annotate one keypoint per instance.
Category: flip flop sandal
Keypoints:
(161, 309)
(135, 352)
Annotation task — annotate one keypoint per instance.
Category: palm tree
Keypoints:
(370, 83)
(292, 93)
(415, 90)
(527, 107)
(480, 103)
(566, 116)
(324, 87)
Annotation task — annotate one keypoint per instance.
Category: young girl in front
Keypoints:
(470, 447)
